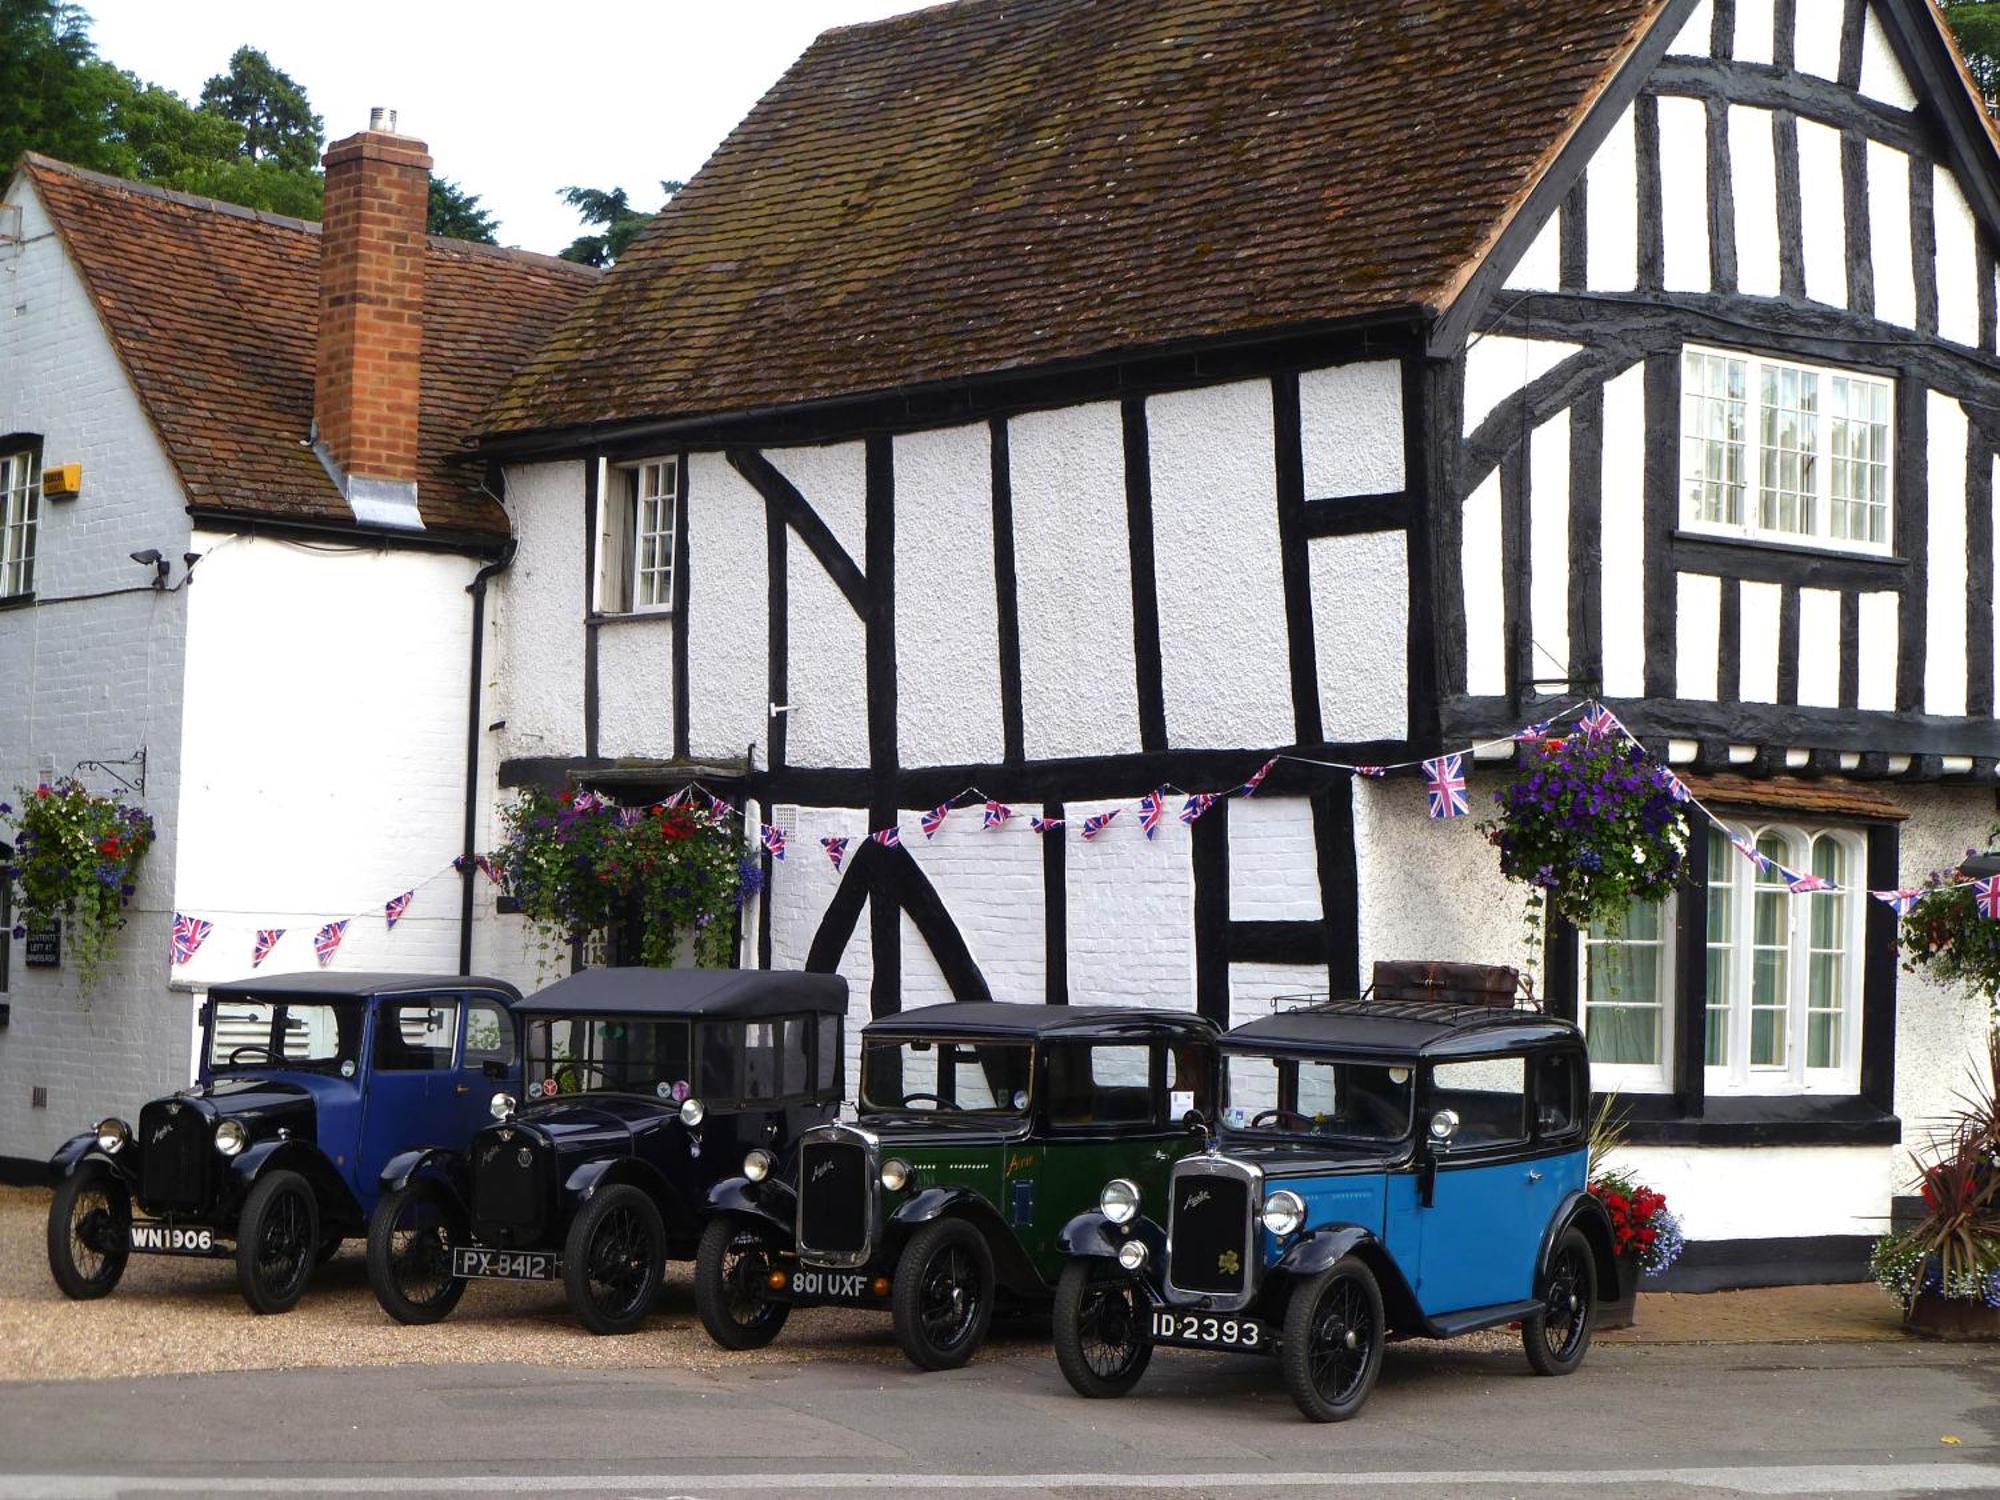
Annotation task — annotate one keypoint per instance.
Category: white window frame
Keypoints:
(1635, 1078)
(1750, 528)
(20, 521)
(1737, 1075)
(625, 585)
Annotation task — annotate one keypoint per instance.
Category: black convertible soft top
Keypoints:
(320, 985)
(989, 1018)
(692, 992)
(1400, 1028)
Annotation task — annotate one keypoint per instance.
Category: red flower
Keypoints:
(565, 798)
(44, 790)
(109, 848)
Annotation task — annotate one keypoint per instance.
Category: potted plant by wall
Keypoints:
(1945, 935)
(76, 862)
(1647, 1237)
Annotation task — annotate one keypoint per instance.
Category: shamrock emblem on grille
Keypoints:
(1229, 1263)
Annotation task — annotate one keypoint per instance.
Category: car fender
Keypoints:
(768, 1201)
(1314, 1253)
(336, 1199)
(582, 1184)
(1091, 1236)
(1010, 1262)
(437, 1164)
(82, 1151)
(1579, 1210)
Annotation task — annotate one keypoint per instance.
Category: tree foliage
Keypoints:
(1976, 24)
(613, 210)
(277, 120)
(456, 214)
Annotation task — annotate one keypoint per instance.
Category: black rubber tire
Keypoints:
(329, 1247)
(1332, 1317)
(949, 1250)
(1091, 1294)
(86, 1192)
(430, 1223)
(277, 1242)
(723, 1286)
(616, 1241)
(1569, 1309)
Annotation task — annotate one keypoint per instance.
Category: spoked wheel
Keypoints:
(1102, 1346)
(277, 1242)
(614, 1259)
(90, 1233)
(732, 1270)
(943, 1301)
(1557, 1337)
(1334, 1334)
(409, 1253)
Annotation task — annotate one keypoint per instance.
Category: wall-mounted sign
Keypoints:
(44, 947)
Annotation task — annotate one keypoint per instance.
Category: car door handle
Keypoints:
(1533, 1175)
(462, 1088)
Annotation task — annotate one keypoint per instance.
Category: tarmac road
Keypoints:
(1872, 1419)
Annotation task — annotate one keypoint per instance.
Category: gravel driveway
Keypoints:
(172, 1315)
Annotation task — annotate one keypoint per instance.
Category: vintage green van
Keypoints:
(981, 1130)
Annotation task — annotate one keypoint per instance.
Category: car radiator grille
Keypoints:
(174, 1157)
(1209, 1233)
(835, 1201)
(510, 1186)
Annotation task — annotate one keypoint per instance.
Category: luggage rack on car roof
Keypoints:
(1446, 993)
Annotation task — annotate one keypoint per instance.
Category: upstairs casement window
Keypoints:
(20, 514)
(1781, 999)
(639, 520)
(1776, 451)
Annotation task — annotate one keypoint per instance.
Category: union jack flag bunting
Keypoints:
(836, 850)
(1152, 808)
(267, 939)
(888, 838)
(995, 814)
(588, 801)
(1196, 805)
(1371, 771)
(487, 868)
(395, 906)
(1676, 788)
(1445, 785)
(327, 942)
(717, 806)
(933, 820)
(1533, 733)
(1047, 825)
(631, 817)
(680, 798)
(773, 840)
(1597, 721)
(1257, 777)
(1093, 826)
(1899, 902)
(1987, 893)
(1799, 883)
(1749, 851)
(189, 934)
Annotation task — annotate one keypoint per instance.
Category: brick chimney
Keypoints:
(371, 320)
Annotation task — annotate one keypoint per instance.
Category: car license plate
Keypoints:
(503, 1265)
(1208, 1331)
(833, 1286)
(173, 1239)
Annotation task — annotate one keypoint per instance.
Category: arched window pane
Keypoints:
(1826, 958)
(1770, 955)
(1723, 864)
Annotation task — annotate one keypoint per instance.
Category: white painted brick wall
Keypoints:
(991, 883)
(1273, 860)
(1131, 912)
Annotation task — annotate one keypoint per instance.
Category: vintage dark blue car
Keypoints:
(643, 1088)
(1382, 1169)
(308, 1085)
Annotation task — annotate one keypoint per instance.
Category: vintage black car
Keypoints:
(982, 1128)
(1383, 1169)
(308, 1085)
(642, 1088)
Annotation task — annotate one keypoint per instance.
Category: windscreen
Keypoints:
(246, 1032)
(946, 1077)
(607, 1054)
(1315, 1097)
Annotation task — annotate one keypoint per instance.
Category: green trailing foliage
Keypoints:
(76, 861)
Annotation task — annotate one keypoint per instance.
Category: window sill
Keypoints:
(626, 617)
(16, 601)
(1767, 561)
(1767, 1120)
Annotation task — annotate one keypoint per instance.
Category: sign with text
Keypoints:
(44, 947)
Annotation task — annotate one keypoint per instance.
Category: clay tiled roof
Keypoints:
(1831, 796)
(214, 310)
(1003, 183)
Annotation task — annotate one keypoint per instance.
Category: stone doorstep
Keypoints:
(1847, 1313)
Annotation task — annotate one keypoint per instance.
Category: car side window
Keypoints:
(1490, 1097)
(794, 1060)
(1102, 1083)
(1558, 1105)
(719, 1079)
(827, 1077)
(489, 1034)
(760, 1060)
(415, 1035)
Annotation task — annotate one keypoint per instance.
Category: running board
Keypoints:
(1451, 1325)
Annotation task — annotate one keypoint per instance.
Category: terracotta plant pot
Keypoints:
(1953, 1318)
(1616, 1303)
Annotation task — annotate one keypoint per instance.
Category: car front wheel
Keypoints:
(1102, 1346)
(732, 1270)
(614, 1259)
(409, 1253)
(277, 1242)
(1334, 1335)
(943, 1300)
(1558, 1336)
(90, 1233)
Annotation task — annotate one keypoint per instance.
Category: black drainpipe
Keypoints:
(468, 872)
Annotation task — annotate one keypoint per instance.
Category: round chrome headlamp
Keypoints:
(895, 1174)
(231, 1137)
(1132, 1254)
(1119, 1202)
(1284, 1211)
(112, 1134)
(501, 1106)
(757, 1165)
(692, 1114)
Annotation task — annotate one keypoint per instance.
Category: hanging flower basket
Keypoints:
(1945, 935)
(1590, 824)
(76, 861)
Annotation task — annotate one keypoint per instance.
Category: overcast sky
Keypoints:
(516, 99)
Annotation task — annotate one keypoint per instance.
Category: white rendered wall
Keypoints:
(825, 640)
(539, 605)
(1130, 911)
(1497, 367)
(1351, 429)
(1220, 578)
(1697, 633)
(1889, 234)
(1611, 210)
(1693, 39)
(1548, 559)
(92, 680)
(1759, 605)
(1481, 577)
(729, 613)
(1273, 860)
(1881, 75)
(1755, 25)
(1770, 1192)
(1753, 178)
(1361, 609)
(635, 687)
(1684, 193)
(991, 883)
(801, 887)
(1823, 216)
(1881, 632)
(1944, 643)
(1540, 265)
(1816, 38)
(1957, 260)
(1622, 533)
(1819, 648)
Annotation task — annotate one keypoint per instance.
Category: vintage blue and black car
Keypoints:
(1382, 1169)
(308, 1085)
(982, 1129)
(643, 1087)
